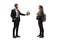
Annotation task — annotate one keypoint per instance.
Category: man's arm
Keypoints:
(12, 16)
(24, 14)
(21, 13)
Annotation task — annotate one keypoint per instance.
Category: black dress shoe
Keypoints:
(38, 35)
(41, 36)
(17, 36)
(14, 36)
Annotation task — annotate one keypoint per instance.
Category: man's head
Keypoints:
(16, 6)
(40, 7)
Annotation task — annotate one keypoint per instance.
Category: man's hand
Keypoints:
(28, 13)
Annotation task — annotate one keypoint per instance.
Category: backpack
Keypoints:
(44, 18)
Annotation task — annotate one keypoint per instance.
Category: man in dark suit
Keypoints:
(15, 14)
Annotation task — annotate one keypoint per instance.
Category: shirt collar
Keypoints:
(16, 9)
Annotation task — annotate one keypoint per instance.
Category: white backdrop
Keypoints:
(28, 29)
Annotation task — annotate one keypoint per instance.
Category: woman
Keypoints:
(40, 21)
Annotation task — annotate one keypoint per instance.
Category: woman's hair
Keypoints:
(41, 6)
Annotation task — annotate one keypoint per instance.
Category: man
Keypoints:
(15, 14)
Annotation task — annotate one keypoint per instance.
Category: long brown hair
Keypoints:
(41, 7)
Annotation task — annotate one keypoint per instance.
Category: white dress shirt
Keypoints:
(17, 13)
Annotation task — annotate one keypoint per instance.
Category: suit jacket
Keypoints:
(13, 15)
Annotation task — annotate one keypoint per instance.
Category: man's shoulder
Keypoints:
(12, 9)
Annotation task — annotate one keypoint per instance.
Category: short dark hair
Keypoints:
(16, 4)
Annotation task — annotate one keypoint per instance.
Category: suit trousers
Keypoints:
(16, 27)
